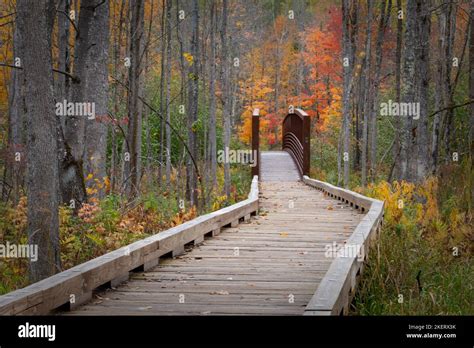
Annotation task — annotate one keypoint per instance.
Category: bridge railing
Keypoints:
(70, 288)
(296, 138)
(336, 290)
(256, 141)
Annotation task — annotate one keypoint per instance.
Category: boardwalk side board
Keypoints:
(337, 287)
(75, 285)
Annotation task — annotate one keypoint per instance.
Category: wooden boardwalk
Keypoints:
(270, 265)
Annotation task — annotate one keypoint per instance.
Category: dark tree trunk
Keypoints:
(398, 65)
(367, 97)
(192, 110)
(135, 107)
(212, 100)
(168, 92)
(225, 92)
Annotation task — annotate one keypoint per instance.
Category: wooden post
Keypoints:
(255, 140)
(306, 143)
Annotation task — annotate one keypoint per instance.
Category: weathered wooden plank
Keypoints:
(278, 255)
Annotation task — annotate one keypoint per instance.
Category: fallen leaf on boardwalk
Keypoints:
(220, 292)
(284, 234)
(145, 308)
(330, 207)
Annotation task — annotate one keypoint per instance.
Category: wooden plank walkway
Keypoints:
(270, 265)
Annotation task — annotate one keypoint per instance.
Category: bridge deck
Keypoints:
(271, 265)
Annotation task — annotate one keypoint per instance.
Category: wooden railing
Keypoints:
(256, 141)
(296, 139)
(69, 289)
(337, 288)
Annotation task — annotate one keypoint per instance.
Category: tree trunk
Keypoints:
(367, 97)
(64, 60)
(439, 94)
(420, 154)
(42, 180)
(15, 168)
(385, 9)
(135, 108)
(212, 100)
(193, 95)
(146, 111)
(448, 87)
(471, 80)
(471, 97)
(168, 92)
(347, 68)
(97, 88)
(114, 161)
(71, 161)
(408, 90)
(225, 94)
(163, 71)
(398, 66)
